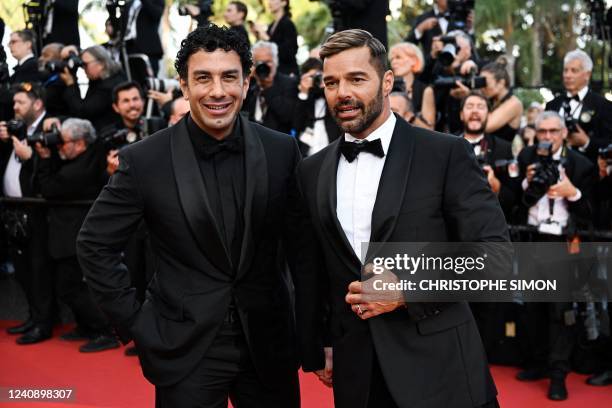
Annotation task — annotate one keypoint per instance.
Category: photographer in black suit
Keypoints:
(218, 196)
(587, 114)
(557, 183)
(313, 123)
(72, 172)
(54, 86)
(62, 23)
(431, 24)
(103, 74)
(272, 95)
(27, 250)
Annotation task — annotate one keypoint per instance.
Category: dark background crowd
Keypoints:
(550, 166)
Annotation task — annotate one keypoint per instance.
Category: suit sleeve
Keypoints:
(309, 279)
(286, 41)
(111, 221)
(471, 208)
(602, 135)
(585, 180)
(153, 9)
(98, 100)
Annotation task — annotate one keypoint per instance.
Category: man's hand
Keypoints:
(43, 152)
(4, 136)
(578, 138)
(160, 97)
(326, 375)
(427, 24)
(22, 150)
(306, 81)
(49, 122)
(493, 181)
(460, 92)
(467, 67)
(67, 50)
(67, 77)
(112, 162)
(531, 169)
(193, 11)
(563, 189)
(358, 299)
(602, 165)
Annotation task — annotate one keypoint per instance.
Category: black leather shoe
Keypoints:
(557, 390)
(21, 328)
(531, 374)
(99, 343)
(131, 351)
(600, 379)
(75, 334)
(35, 335)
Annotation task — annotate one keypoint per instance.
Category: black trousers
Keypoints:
(228, 372)
(34, 271)
(73, 291)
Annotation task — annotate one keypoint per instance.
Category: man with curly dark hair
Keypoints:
(218, 196)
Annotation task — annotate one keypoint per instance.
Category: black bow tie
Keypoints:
(474, 144)
(575, 98)
(351, 150)
(231, 146)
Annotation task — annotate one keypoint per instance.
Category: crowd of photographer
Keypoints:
(551, 167)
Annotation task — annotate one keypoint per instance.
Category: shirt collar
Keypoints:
(24, 59)
(437, 12)
(200, 139)
(557, 154)
(384, 132)
(474, 140)
(581, 94)
(34, 125)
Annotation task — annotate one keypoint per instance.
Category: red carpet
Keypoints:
(109, 379)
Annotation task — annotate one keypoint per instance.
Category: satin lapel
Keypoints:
(326, 205)
(392, 186)
(193, 198)
(256, 191)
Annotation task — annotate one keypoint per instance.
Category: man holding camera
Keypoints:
(587, 115)
(272, 95)
(557, 183)
(27, 226)
(72, 172)
(313, 123)
(492, 153)
(50, 57)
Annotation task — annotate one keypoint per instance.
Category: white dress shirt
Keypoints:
(472, 140)
(442, 22)
(357, 185)
(10, 183)
(540, 212)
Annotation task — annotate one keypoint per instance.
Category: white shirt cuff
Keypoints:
(303, 96)
(575, 197)
(583, 148)
(417, 34)
(524, 184)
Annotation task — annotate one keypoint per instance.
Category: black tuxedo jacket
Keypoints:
(285, 36)
(581, 173)
(426, 37)
(280, 98)
(147, 30)
(305, 117)
(498, 149)
(27, 175)
(193, 284)
(431, 190)
(26, 72)
(79, 179)
(65, 28)
(599, 125)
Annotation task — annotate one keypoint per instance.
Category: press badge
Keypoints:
(550, 228)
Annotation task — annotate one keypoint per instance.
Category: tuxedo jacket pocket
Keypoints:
(447, 319)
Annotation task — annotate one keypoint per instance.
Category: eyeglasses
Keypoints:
(85, 64)
(545, 131)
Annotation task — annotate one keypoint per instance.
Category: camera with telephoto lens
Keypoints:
(606, 153)
(161, 84)
(472, 81)
(73, 63)
(17, 128)
(47, 139)
(546, 170)
(262, 69)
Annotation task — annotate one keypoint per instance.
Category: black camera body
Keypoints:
(47, 139)
(17, 128)
(262, 70)
(73, 63)
(116, 139)
(546, 169)
(317, 80)
(472, 81)
(606, 153)
(571, 124)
